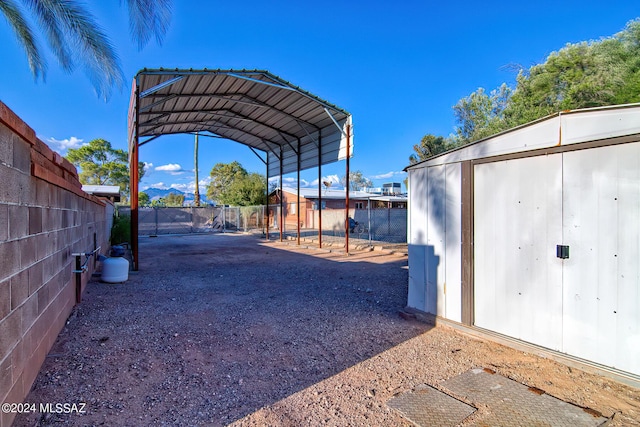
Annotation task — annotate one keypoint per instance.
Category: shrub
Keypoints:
(121, 230)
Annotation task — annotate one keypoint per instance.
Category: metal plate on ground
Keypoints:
(426, 406)
(513, 404)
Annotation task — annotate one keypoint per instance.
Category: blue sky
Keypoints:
(397, 67)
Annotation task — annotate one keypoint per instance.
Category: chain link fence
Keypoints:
(153, 221)
(371, 226)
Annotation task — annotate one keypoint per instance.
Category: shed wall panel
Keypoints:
(599, 124)
(417, 239)
(416, 297)
(418, 207)
(436, 250)
(453, 242)
(434, 238)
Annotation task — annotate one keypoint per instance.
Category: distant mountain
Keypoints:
(159, 193)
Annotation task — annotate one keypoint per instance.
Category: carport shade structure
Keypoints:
(288, 128)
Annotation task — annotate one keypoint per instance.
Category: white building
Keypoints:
(534, 234)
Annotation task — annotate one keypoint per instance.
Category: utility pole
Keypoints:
(196, 195)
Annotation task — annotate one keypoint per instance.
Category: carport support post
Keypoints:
(134, 204)
(281, 200)
(369, 218)
(320, 189)
(298, 199)
(133, 186)
(266, 224)
(346, 219)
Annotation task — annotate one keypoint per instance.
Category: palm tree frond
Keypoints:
(75, 37)
(46, 15)
(15, 18)
(149, 18)
(93, 46)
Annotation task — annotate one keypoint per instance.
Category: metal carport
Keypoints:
(293, 129)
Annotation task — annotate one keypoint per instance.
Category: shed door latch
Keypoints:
(562, 251)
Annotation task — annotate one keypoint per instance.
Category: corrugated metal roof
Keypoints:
(252, 107)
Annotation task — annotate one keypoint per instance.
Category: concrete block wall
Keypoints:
(45, 217)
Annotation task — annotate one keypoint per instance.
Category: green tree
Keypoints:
(626, 47)
(101, 164)
(580, 75)
(174, 199)
(158, 203)
(480, 114)
(248, 190)
(74, 36)
(222, 177)
(143, 199)
(430, 145)
(357, 181)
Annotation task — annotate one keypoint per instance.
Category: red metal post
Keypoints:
(298, 199)
(266, 225)
(134, 203)
(133, 185)
(320, 189)
(281, 201)
(346, 221)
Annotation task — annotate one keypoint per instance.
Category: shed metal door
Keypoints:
(589, 304)
(517, 225)
(601, 201)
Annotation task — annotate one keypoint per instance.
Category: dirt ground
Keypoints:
(230, 329)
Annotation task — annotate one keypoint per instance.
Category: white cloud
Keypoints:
(62, 145)
(160, 185)
(388, 175)
(273, 181)
(383, 176)
(186, 188)
(148, 167)
(291, 182)
(171, 168)
(190, 187)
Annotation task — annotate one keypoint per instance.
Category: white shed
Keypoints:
(534, 234)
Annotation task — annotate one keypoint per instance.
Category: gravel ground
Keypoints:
(230, 329)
